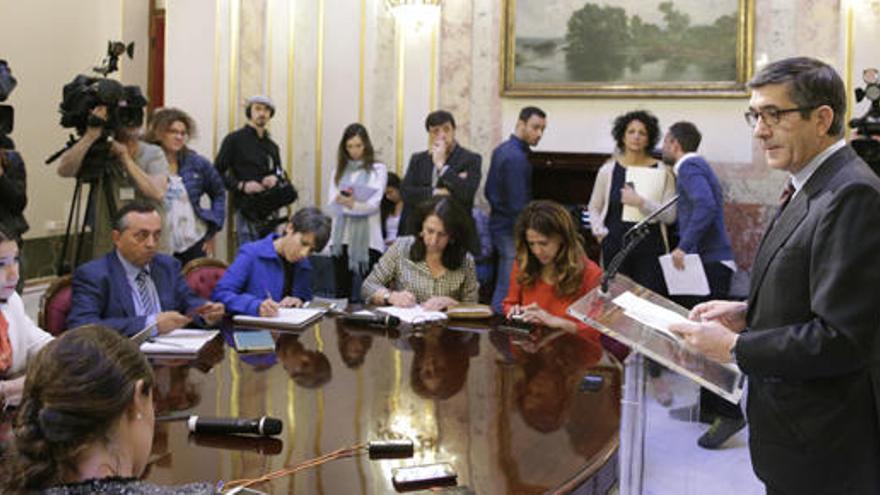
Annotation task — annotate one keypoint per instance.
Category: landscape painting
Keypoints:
(627, 47)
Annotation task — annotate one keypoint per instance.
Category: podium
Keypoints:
(606, 312)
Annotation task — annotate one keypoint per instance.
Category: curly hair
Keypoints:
(550, 219)
(77, 386)
(652, 125)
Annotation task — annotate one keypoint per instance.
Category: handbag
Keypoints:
(259, 207)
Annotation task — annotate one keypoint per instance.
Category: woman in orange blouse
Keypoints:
(551, 269)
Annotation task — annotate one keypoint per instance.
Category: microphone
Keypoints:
(373, 320)
(631, 238)
(264, 425)
(259, 445)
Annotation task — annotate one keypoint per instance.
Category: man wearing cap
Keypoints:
(250, 164)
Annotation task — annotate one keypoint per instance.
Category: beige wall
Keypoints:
(221, 51)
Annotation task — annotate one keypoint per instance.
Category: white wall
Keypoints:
(47, 43)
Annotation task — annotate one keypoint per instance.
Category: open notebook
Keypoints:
(414, 314)
(183, 341)
(287, 318)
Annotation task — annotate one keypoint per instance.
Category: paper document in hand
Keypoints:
(414, 314)
(648, 313)
(286, 316)
(181, 341)
(649, 183)
(361, 193)
(688, 282)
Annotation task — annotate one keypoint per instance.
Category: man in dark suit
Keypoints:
(807, 337)
(133, 287)
(447, 169)
(700, 211)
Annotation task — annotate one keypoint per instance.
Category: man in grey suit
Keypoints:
(808, 336)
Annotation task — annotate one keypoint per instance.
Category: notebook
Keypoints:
(183, 341)
(414, 314)
(253, 341)
(287, 318)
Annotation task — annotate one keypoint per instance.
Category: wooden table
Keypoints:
(507, 413)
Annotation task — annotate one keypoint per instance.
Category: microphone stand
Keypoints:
(631, 239)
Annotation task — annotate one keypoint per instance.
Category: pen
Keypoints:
(269, 295)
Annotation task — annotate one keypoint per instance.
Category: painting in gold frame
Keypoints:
(627, 48)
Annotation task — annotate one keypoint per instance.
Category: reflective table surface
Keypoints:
(509, 413)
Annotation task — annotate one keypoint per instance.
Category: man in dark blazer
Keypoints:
(133, 287)
(447, 168)
(808, 336)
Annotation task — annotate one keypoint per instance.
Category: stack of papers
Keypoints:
(287, 318)
(183, 341)
(649, 183)
(414, 314)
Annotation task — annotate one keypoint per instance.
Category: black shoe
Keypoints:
(720, 431)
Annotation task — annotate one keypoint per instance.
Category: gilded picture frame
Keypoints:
(627, 48)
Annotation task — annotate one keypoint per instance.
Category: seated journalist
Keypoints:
(551, 270)
(133, 287)
(275, 271)
(86, 420)
(20, 338)
(432, 268)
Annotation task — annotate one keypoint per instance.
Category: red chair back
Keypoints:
(55, 305)
(202, 275)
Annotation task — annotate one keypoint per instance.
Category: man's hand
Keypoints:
(438, 153)
(269, 308)
(710, 338)
(211, 312)
(678, 258)
(167, 321)
(402, 299)
(270, 181)
(120, 150)
(439, 303)
(731, 314)
(630, 197)
(291, 302)
(253, 187)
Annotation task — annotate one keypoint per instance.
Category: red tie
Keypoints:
(5, 347)
(786, 195)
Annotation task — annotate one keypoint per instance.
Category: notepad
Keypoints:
(183, 341)
(254, 341)
(415, 314)
(360, 192)
(287, 317)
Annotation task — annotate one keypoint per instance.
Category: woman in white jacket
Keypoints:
(354, 196)
(635, 133)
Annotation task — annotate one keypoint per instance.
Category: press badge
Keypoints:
(126, 193)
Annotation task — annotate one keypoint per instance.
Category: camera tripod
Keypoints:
(102, 184)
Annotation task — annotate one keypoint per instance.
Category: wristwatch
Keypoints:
(387, 298)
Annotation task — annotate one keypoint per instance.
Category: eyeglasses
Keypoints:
(771, 115)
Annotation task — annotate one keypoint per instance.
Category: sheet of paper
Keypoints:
(286, 316)
(648, 313)
(181, 341)
(649, 183)
(414, 314)
(360, 192)
(688, 282)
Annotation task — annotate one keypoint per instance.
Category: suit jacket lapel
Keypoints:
(119, 285)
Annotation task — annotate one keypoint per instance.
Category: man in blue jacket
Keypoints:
(133, 287)
(509, 190)
(701, 231)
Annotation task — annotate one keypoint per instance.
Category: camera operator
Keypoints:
(141, 172)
